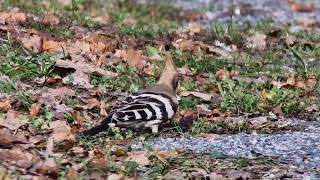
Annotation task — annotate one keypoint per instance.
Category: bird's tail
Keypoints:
(103, 126)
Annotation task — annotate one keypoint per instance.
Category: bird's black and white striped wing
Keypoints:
(147, 106)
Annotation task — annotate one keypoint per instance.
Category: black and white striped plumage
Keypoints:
(140, 110)
(146, 108)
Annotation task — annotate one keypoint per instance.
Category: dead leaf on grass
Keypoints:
(78, 78)
(6, 138)
(164, 156)
(204, 96)
(136, 59)
(140, 157)
(49, 19)
(48, 166)
(115, 177)
(257, 122)
(61, 131)
(78, 118)
(222, 74)
(186, 45)
(132, 57)
(194, 28)
(257, 40)
(31, 42)
(91, 103)
(11, 121)
(84, 67)
(311, 82)
(61, 92)
(218, 51)
(203, 110)
(82, 75)
(34, 111)
(12, 17)
(51, 45)
(18, 158)
(73, 174)
(5, 105)
(296, 82)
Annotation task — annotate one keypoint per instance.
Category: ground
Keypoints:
(65, 64)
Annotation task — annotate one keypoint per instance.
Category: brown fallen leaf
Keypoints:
(164, 156)
(103, 111)
(204, 96)
(12, 17)
(61, 92)
(238, 174)
(278, 111)
(78, 78)
(184, 70)
(98, 157)
(77, 117)
(18, 158)
(84, 67)
(5, 105)
(91, 103)
(49, 148)
(73, 174)
(302, 7)
(194, 28)
(217, 113)
(258, 122)
(97, 43)
(49, 19)
(34, 111)
(311, 82)
(6, 138)
(61, 131)
(51, 45)
(203, 110)
(48, 166)
(11, 121)
(218, 51)
(31, 42)
(257, 40)
(222, 74)
(265, 106)
(115, 177)
(294, 82)
(186, 45)
(133, 57)
(140, 157)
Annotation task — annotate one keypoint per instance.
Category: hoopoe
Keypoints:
(146, 108)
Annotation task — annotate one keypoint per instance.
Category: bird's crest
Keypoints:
(169, 75)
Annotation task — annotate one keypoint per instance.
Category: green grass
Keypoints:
(26, 68)
(128, 80)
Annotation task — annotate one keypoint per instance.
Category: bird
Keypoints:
(146, 108)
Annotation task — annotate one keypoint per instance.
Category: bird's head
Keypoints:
(169, 76)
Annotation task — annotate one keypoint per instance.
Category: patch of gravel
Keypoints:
(300, 148)
(249, 10)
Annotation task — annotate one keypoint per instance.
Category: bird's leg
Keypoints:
(155, 128)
